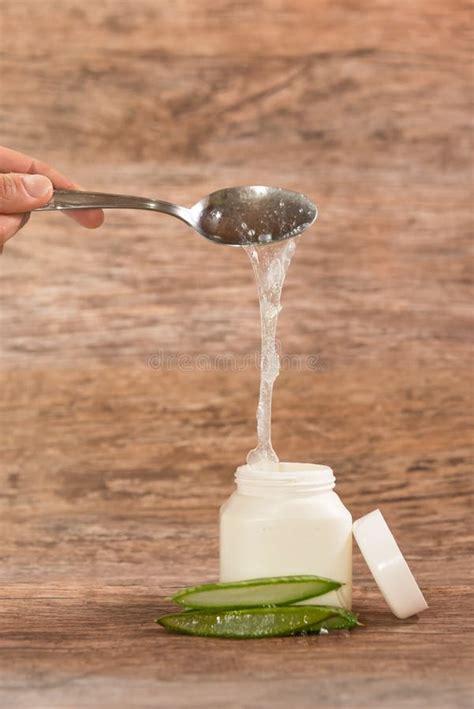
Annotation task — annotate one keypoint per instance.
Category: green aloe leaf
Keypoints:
(250, 622)
(276, 591)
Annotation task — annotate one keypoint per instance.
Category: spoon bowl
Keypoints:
(237, 216)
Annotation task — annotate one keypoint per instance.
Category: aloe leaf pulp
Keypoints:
(276, 591)
(252, 622)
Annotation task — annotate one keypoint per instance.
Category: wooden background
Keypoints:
(113, 470)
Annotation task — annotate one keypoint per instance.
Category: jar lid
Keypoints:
(388, 565)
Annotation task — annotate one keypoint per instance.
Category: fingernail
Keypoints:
(37, 185)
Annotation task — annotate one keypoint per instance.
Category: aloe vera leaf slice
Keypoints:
(344, 620)
(273, 591)
(246, 623)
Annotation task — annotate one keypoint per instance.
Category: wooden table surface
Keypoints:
(128, 388)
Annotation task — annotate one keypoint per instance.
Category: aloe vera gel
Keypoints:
(287, 522)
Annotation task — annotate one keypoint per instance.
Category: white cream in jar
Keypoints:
(284, 522)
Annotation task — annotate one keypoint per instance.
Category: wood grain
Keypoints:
(116, 453)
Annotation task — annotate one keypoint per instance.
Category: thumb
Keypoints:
(22, 193)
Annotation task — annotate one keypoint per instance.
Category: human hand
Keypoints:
(25, 184)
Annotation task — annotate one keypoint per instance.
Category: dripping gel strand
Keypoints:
(270, 265)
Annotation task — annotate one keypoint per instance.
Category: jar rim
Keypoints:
(288, 475)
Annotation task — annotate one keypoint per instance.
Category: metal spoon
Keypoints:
(236, 216)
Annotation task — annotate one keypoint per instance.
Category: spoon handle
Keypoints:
(74, 199)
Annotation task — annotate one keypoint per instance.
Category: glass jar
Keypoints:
(287, 522)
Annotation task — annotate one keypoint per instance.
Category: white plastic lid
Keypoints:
(388, 566)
